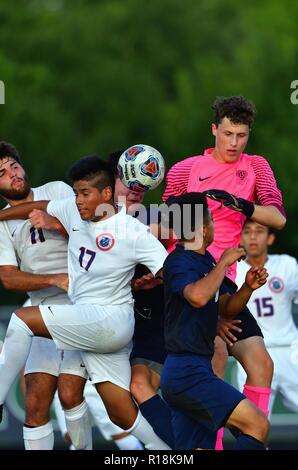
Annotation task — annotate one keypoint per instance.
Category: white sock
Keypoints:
(128, 443)
(78, 425)
(142, 430)
(39, 438)
(14, 353)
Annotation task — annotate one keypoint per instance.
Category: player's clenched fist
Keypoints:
(40, 219)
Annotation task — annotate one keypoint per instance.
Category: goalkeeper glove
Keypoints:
(229, 200)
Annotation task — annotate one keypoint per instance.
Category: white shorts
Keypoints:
(285, 377)
(109, 367)
(94, 328)
(44, 357)
(102, 333)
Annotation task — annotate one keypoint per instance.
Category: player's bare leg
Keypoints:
(144, 382)
(77, 416)
(250, 421)
(38, 431)
(255, 359)
(144, 386)
(220, 357)
(31, 316)
(252, 354)
(40, 390)
(123, 411)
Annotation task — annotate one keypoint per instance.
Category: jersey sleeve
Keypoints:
(267, 192)
(63, 191)
(7, 251)
(148, 250)
(62, 210)
(179, 275)
(177, 178)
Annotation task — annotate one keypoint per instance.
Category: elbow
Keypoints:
(199, 302)
(280, 223)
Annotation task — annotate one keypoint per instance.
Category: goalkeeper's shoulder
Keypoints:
(259, 163)
(177, 177)
(183, 167)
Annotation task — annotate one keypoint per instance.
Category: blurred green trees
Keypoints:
(100, 75)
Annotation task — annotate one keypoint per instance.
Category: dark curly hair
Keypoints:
(236, 108)
(9, 151)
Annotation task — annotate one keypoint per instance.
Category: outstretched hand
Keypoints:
(224, 330)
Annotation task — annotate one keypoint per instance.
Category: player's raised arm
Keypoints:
(22, 211)
(200, 292)
(270, 216)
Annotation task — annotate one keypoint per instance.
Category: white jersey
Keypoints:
(271, 304)
(102, 256)
(36, 251)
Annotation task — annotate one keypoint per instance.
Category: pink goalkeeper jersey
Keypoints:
(251, 178)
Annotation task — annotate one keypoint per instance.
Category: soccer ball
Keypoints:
(141, 168)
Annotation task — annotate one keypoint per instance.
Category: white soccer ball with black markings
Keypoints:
(141, 168)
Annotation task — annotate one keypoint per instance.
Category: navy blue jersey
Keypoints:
(148, 339)
(188, 329)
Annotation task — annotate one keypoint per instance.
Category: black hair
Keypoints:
(113, 160)
(91, 168)
(236, 108)
(9, 151)
(192, 200)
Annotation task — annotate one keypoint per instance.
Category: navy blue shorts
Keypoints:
(148, 339)
(249, 325)
(201, 403)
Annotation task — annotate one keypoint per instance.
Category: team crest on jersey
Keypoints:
(105, 241)
(276, 285)
(241, 174)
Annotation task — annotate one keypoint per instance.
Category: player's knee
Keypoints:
(69, 397)
(262, 427)
(256, 425)
(139, 387)
(260, 370)
(37, 409)
(267, 365)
